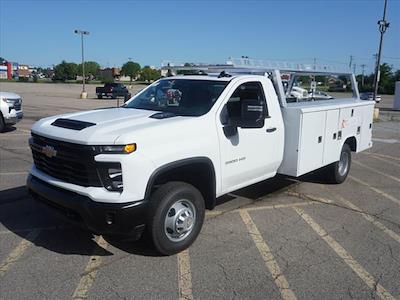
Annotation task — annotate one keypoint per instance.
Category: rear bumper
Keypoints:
(126, 220)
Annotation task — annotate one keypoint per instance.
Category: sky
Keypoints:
(41, 33)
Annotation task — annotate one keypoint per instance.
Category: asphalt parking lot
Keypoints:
(282, 238)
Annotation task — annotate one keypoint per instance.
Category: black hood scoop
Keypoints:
(163, 115)
(72, 124)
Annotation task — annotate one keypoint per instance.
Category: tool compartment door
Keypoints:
(366, 128)
(331, 143)
(311, 148)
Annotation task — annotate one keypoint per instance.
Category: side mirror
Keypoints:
(247, 113)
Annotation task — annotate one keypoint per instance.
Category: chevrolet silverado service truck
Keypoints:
(156, 163)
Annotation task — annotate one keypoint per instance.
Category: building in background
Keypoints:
(3, 72)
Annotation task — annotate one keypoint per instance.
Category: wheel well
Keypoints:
(198, 172)
(352, 142)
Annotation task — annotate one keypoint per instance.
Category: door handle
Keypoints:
(271, 129)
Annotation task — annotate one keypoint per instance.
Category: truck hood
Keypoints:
(108, 125)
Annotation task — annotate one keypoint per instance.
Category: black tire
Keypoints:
(99, 96)
(162, 209)
(2, 124)
(339, 170)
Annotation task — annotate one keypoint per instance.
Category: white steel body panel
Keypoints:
(303, 140)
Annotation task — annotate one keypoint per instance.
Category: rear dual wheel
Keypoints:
(339, 170)
(177, 210)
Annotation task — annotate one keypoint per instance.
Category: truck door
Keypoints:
(248, 155)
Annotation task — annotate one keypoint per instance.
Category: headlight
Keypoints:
(7, 101)
(117, 149)
(111, 176)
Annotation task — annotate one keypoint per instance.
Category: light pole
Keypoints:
(82, 33)
(383, 25)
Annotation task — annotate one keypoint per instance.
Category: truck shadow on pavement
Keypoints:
(21, 215)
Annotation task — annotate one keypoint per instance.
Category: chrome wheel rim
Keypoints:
(343, 163)
(179, 220)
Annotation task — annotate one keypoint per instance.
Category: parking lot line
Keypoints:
(12, 173)
(278, 206)
(88, 277)
(18, 251)
(376, 190)
(382, 155)
(316, 200)
(389, 161)
(13, 134)
(347, 258)
(270, 262)
(368, 217)
(184, 276)
(376, 171)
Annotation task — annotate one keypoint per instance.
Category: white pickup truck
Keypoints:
(10, 109)
(158, 161)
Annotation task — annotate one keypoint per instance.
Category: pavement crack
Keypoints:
(335, 204)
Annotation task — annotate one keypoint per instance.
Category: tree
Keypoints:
(92, 69)
(2, 61)
(149, 74)
(131, 69)
(386, 81)
(65, 71)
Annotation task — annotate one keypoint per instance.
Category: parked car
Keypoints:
(10, 109)
(112, 90)
(318, 95)
(156, 163)
(298, 93)
(370, 96)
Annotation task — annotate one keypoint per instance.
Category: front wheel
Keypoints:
(177, 210)
(339, 170)
(99, 96)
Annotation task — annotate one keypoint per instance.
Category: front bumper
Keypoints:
(122, 219)
(13, 118)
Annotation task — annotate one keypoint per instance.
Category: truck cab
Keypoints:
(163, 157)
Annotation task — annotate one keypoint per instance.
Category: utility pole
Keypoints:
(362, 74)
(315, 63)
(354, 68)
(82, 33)
(383, 25)
(351, 60)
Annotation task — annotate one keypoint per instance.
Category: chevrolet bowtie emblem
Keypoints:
(49, 151)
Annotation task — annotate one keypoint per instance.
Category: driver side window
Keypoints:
(248, 91)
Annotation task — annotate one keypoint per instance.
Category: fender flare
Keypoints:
(180, 163)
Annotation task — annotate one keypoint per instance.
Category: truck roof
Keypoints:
(211, 77)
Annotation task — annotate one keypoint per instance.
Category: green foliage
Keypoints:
(2, 60)
(131, 69)
(149, 74)
(387, 80)
(92, 69)
(65, 71)
(106, 79)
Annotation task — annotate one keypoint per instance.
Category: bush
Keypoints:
(23, 79)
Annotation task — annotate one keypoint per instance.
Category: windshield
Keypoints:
(179, 96)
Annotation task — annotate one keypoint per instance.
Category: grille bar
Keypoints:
(72, 163)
